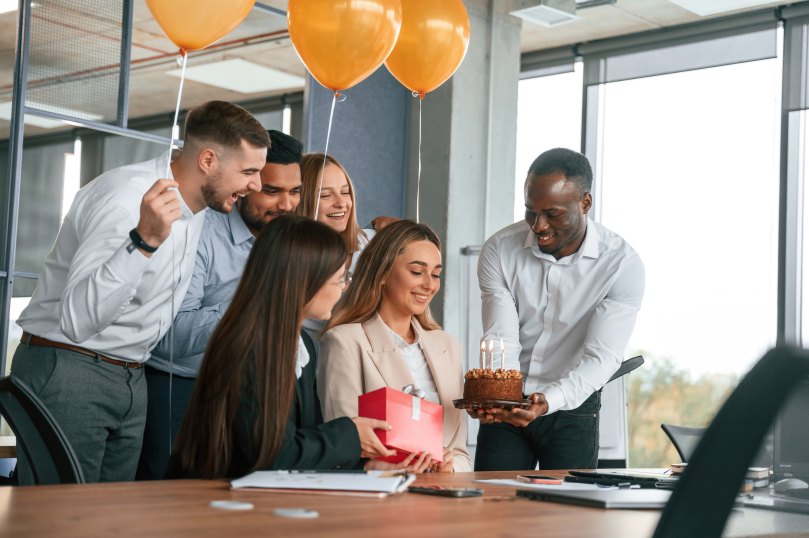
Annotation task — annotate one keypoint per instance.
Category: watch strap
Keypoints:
(138, 241)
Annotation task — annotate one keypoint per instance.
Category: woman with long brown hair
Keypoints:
(254, 405)
(382, 334)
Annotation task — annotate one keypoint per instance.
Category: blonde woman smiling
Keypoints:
(382, 334)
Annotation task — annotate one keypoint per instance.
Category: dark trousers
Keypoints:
(158, 436)
(100, 407)
(561, 440)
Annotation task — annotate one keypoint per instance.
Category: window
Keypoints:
(690, 177)
(549, 116)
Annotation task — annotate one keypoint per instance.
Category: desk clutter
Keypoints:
(755, 478)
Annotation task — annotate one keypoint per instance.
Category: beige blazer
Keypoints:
(356, 358)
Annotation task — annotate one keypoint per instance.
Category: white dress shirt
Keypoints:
(92, 291)
(417, 364)
(566, 322)
(301, 358)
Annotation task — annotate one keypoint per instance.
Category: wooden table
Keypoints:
(180, 508)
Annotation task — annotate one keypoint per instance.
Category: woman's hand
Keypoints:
(416, 462)
(445, 466)
(370, 444)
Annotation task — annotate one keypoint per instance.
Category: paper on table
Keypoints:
(376, 482)
(567, 486)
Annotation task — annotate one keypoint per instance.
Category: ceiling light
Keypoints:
(241, 76)
(7, 6)
(47, 123)
(711, 7)
(549, 13)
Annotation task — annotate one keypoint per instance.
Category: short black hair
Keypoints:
(572, 164)
(226, 124)
(284, 149)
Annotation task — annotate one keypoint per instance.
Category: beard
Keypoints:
(213, 198)
(255, 220)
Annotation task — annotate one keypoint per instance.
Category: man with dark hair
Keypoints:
(120, 266)
(563, 292)
(223, 249)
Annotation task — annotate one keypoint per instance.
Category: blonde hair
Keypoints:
(361, 300)
(311, 165)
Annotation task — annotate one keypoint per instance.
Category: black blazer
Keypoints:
(309, 443)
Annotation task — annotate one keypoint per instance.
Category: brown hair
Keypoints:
(251, 354)
(362, 298)
(224, 124)
(311, 165)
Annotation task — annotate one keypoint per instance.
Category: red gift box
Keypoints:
(418, 424)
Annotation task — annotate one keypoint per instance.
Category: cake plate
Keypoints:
(487, 403)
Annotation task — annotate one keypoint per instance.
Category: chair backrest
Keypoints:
(627, 366)
(701, 502)
(39, 437)
(684, 439)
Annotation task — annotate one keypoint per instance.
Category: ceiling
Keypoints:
(74, 50)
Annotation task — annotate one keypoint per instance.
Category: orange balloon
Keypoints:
(341, 42)
(431, 45)
(195, 24)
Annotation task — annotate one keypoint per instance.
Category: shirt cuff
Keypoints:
(554, 397)
(128, 266)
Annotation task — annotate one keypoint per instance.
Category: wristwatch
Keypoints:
(138, 242)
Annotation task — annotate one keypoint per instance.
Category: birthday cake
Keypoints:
(488, 384)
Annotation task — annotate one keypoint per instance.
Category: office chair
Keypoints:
(627, 366)
(701, 502)
(39, 437)
(684, 439)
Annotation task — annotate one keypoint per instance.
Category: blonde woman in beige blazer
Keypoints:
(382, 335)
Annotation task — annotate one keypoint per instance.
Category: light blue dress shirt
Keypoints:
(223, 249)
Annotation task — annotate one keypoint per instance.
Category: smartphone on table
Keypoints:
(540, 479)
(446, 492)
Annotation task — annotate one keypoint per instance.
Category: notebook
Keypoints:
(609, 498)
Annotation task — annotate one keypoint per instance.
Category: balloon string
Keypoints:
(184, 55)
(418, 177)
(326, 151)
(174, 130)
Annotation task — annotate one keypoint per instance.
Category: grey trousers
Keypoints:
(100, 407)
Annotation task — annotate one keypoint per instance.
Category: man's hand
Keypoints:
(370, 444)
(380, 222)
(159, 208)
(516, 416)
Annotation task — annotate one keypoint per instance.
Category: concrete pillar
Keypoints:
(469, 130)
(468, 151)
(369, 136)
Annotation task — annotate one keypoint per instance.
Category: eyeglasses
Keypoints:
(345, 280)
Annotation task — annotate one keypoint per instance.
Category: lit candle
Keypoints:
(482, 354)
(491, 353)
(502, 354)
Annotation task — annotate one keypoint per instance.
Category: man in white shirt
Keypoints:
(563, 292)
(115, 277)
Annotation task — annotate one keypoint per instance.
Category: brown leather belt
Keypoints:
(30, 339)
